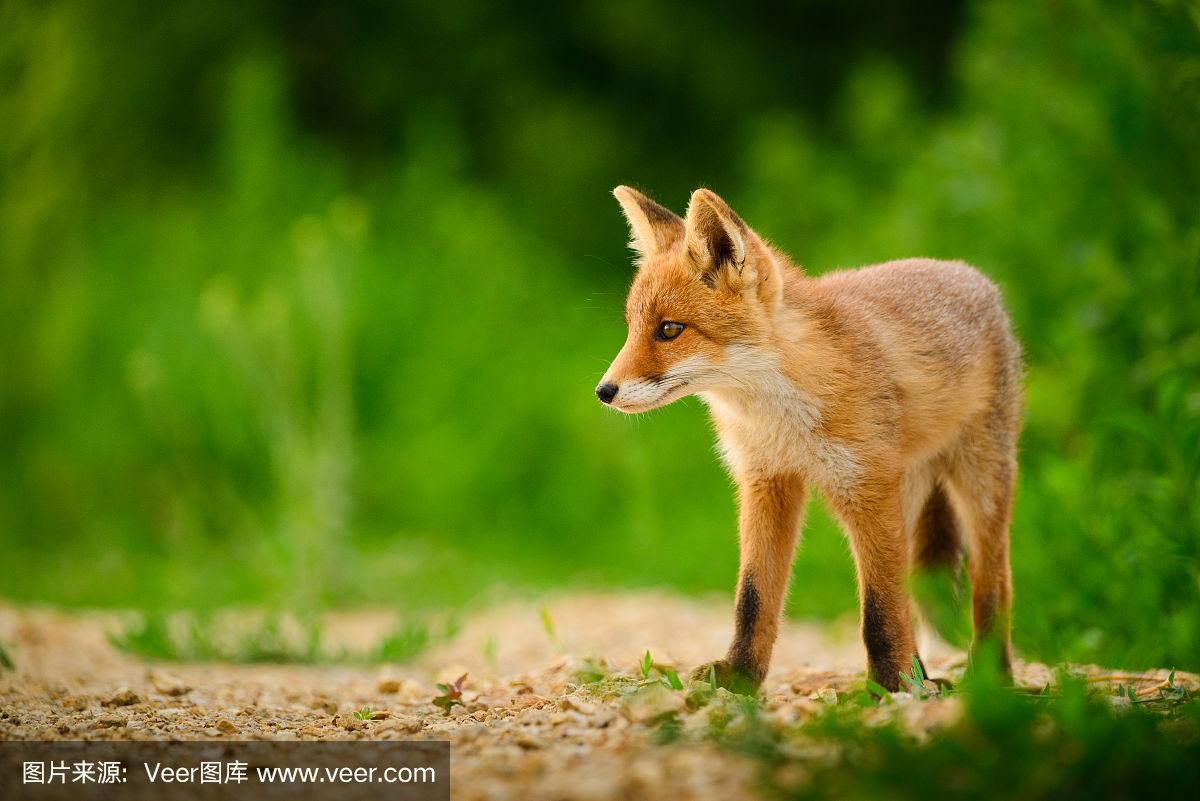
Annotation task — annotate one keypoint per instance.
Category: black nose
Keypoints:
(606, 392)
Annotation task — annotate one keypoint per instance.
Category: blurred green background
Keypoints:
(302, 306)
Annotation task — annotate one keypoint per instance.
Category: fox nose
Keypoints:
(606, 392)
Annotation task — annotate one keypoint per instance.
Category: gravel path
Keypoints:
(527, 727)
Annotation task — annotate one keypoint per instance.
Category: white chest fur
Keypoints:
(769, 424)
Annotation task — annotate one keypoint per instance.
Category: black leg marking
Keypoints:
(881, 650)
(748, 608)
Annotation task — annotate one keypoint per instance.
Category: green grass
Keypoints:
(406, 643)
(1066, 745)
(1067, 741)
(268, 638)
(1077, 737)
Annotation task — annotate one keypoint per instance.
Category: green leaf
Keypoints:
(673, 680)
(547, 623)
(712, 677)
(878, 690)
(647, 663)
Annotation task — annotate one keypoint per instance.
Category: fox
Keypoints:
(894, 389)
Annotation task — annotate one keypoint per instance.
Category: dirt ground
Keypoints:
(527, 728)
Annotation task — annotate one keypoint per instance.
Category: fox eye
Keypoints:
(670, 330)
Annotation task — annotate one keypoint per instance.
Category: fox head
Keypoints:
(702, 303)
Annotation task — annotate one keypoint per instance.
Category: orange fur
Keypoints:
(895, 389)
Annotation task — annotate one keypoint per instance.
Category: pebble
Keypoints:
(122, 697)
(650, 702)
(170, 685)
(575, 703)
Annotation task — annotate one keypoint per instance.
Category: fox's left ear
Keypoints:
(652, 227)
(717, 239)
(727, 254)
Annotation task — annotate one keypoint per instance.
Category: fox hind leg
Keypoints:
(981, 483)
(936, 551)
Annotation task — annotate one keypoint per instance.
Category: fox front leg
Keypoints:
(770, 507)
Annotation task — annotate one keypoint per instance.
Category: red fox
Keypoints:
(895, 389)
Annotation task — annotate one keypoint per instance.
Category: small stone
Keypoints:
(389, 686)
(407, 724)
(123, 697)
(650, 702)
(109, 722)
(574, 702)
(170, 685)
(226, 726)
(530, 742)
(526, 701)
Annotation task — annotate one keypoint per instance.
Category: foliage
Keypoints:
(1066, 745)
(451, 695)
(272, 637)
(405, 643)
(667, 675)
(366, 714)
(293, 322)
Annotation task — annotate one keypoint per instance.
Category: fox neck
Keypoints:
(791, 361)
(771, 417)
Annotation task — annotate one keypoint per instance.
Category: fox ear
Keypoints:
(716, 236)
(653, 228)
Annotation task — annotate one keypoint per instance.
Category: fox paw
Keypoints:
(728, 676)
